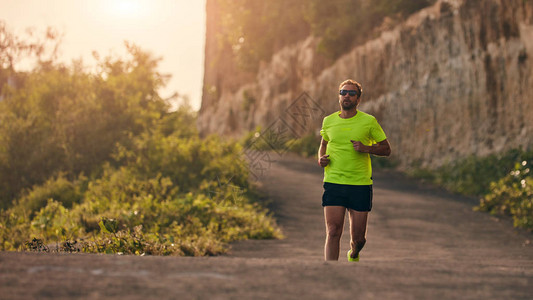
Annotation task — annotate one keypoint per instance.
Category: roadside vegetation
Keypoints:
(98, 162)
(503, 182)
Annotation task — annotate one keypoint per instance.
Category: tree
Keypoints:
(59, 119)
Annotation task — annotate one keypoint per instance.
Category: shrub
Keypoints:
(473, 175)
(512, 195)
(59, 189)
(305, 146)
(165, 197)
(503, 181)
(152, 185)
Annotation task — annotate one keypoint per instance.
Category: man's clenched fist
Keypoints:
(323, 160)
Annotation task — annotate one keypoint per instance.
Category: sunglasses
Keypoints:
(349, 92)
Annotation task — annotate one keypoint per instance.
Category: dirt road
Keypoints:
(422, 244)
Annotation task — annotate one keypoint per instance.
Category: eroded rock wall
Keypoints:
(454, 79)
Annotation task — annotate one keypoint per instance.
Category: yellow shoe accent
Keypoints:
(350, 257)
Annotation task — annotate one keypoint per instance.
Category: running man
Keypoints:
(349, 136)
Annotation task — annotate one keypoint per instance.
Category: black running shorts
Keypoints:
(356, 197)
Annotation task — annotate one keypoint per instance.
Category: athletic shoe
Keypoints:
(350, 257)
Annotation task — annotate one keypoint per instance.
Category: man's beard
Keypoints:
(348, 106)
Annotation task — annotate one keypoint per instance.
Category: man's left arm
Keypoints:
(380, 149)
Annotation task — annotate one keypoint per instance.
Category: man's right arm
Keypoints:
(323, 159)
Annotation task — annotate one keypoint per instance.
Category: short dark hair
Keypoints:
(353, 82)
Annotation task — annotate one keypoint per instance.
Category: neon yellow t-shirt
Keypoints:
(346, 165)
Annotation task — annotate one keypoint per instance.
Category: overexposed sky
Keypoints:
(171, 29)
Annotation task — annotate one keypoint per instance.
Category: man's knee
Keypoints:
(334, 230)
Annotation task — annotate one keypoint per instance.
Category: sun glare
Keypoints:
(125, 8)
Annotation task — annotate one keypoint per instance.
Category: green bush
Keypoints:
(503, 181)
(264, 140)
(306, 146)
(150, 216)
(98, 163)
(54, 222)
(512, 195)
(61, 119)
(473, 175)
(58, 189)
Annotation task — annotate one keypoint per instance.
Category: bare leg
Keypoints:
(358, 221)
(334, 216)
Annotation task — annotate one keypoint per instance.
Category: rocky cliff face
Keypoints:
(452, 80)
